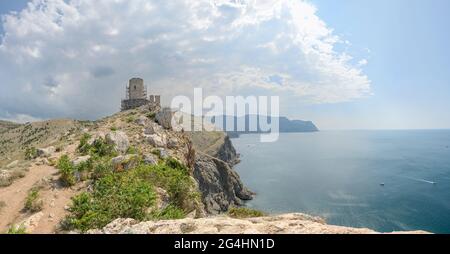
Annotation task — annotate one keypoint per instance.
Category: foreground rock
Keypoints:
(283, 224)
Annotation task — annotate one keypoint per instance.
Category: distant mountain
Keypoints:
(286, 125)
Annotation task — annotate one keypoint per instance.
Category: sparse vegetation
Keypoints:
(84, 147)
(12, 175)
(31, 153)
(17, 230)
(130, 119)
(130, 194)
(169, 213)
(113, 128)
(151, 115)
(132, 150)
(33, 203)
(67, 170)
(114, 196)
(244, 212)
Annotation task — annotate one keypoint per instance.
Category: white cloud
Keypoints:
(363, 62)
(72, 58)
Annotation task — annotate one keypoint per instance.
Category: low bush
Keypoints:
(17, 230)
(244, 212)
(66, 170)
(120, 195)
(84, 146)
(33, 203)
(130, 119)
(31, 153)
(169, 213)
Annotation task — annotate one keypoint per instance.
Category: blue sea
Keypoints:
(383, 180)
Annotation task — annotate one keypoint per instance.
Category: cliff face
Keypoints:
(220, 185)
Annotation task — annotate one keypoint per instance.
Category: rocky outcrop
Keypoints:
(228, 153)
(283, 224)
(46, 152)
(119, 139)
(219, 184)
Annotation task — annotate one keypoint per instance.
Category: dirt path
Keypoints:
(14, 195)
(55, 199)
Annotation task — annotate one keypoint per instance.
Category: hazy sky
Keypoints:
(346, 64)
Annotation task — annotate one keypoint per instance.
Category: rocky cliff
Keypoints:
(282, 224)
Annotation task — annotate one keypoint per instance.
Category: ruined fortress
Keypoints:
(136, 96)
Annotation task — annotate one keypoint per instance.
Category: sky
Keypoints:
(345, 64)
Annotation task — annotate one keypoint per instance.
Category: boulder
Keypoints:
(125, 162)
(172, 143)
(119, 139)
(162, 199)
(80, 160)
(95, 136)
(149, 130)
(150, 159)
(156, 140)
(164, 118)
(142, 120)
(46, 152)
(32, 222)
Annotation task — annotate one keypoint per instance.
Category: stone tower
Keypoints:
(136, 96)
(136, 89)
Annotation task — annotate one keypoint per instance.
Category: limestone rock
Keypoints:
(149, 130)
(296, 223)
(125, 162)
(80, 160)
(150, 159)
(172, 143)
(31, 222)
(156, 140)
(95, 136)
(46, 152)
(162, 200)
(119, 139)
(141, 120)
(164, 118)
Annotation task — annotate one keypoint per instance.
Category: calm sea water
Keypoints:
(338, 175)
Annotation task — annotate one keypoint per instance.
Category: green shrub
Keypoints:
(113, 128)
(151, 115)
(101, 168)
(67, 170)
(17, 230)
(244, 212)
(130, 119)
(84, 147)
(132, 150)
(101, 148)
(31, 153)
(169, 213)
(175, 164)
(33, 203)
(120, 195)
(177, 183)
